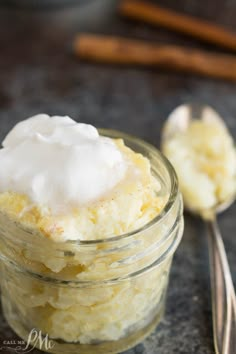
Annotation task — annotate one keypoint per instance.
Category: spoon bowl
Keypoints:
(179, 121)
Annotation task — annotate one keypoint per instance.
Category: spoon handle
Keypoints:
(223, 294)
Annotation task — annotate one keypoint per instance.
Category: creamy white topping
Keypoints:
(58, 162)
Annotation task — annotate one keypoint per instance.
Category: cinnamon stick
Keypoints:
(200, 29)
(117, 50)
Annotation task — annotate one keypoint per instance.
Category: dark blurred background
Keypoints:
(39, 71)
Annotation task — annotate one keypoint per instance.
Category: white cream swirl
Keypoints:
(58, 162)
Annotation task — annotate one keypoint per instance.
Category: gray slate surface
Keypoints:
(38, 73)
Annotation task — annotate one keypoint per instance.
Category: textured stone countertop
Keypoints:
(38, 73)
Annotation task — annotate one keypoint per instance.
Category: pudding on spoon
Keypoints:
(198, 143)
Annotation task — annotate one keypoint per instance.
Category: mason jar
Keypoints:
(98, 296)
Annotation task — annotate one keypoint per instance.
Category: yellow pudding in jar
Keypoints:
(129, 205)
(94, 264)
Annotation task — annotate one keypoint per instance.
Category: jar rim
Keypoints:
(171, 199)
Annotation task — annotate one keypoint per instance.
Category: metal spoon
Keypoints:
(222, 288)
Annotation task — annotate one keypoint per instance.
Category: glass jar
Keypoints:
(100, 296)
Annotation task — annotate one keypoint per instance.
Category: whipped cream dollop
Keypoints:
(58, 162)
